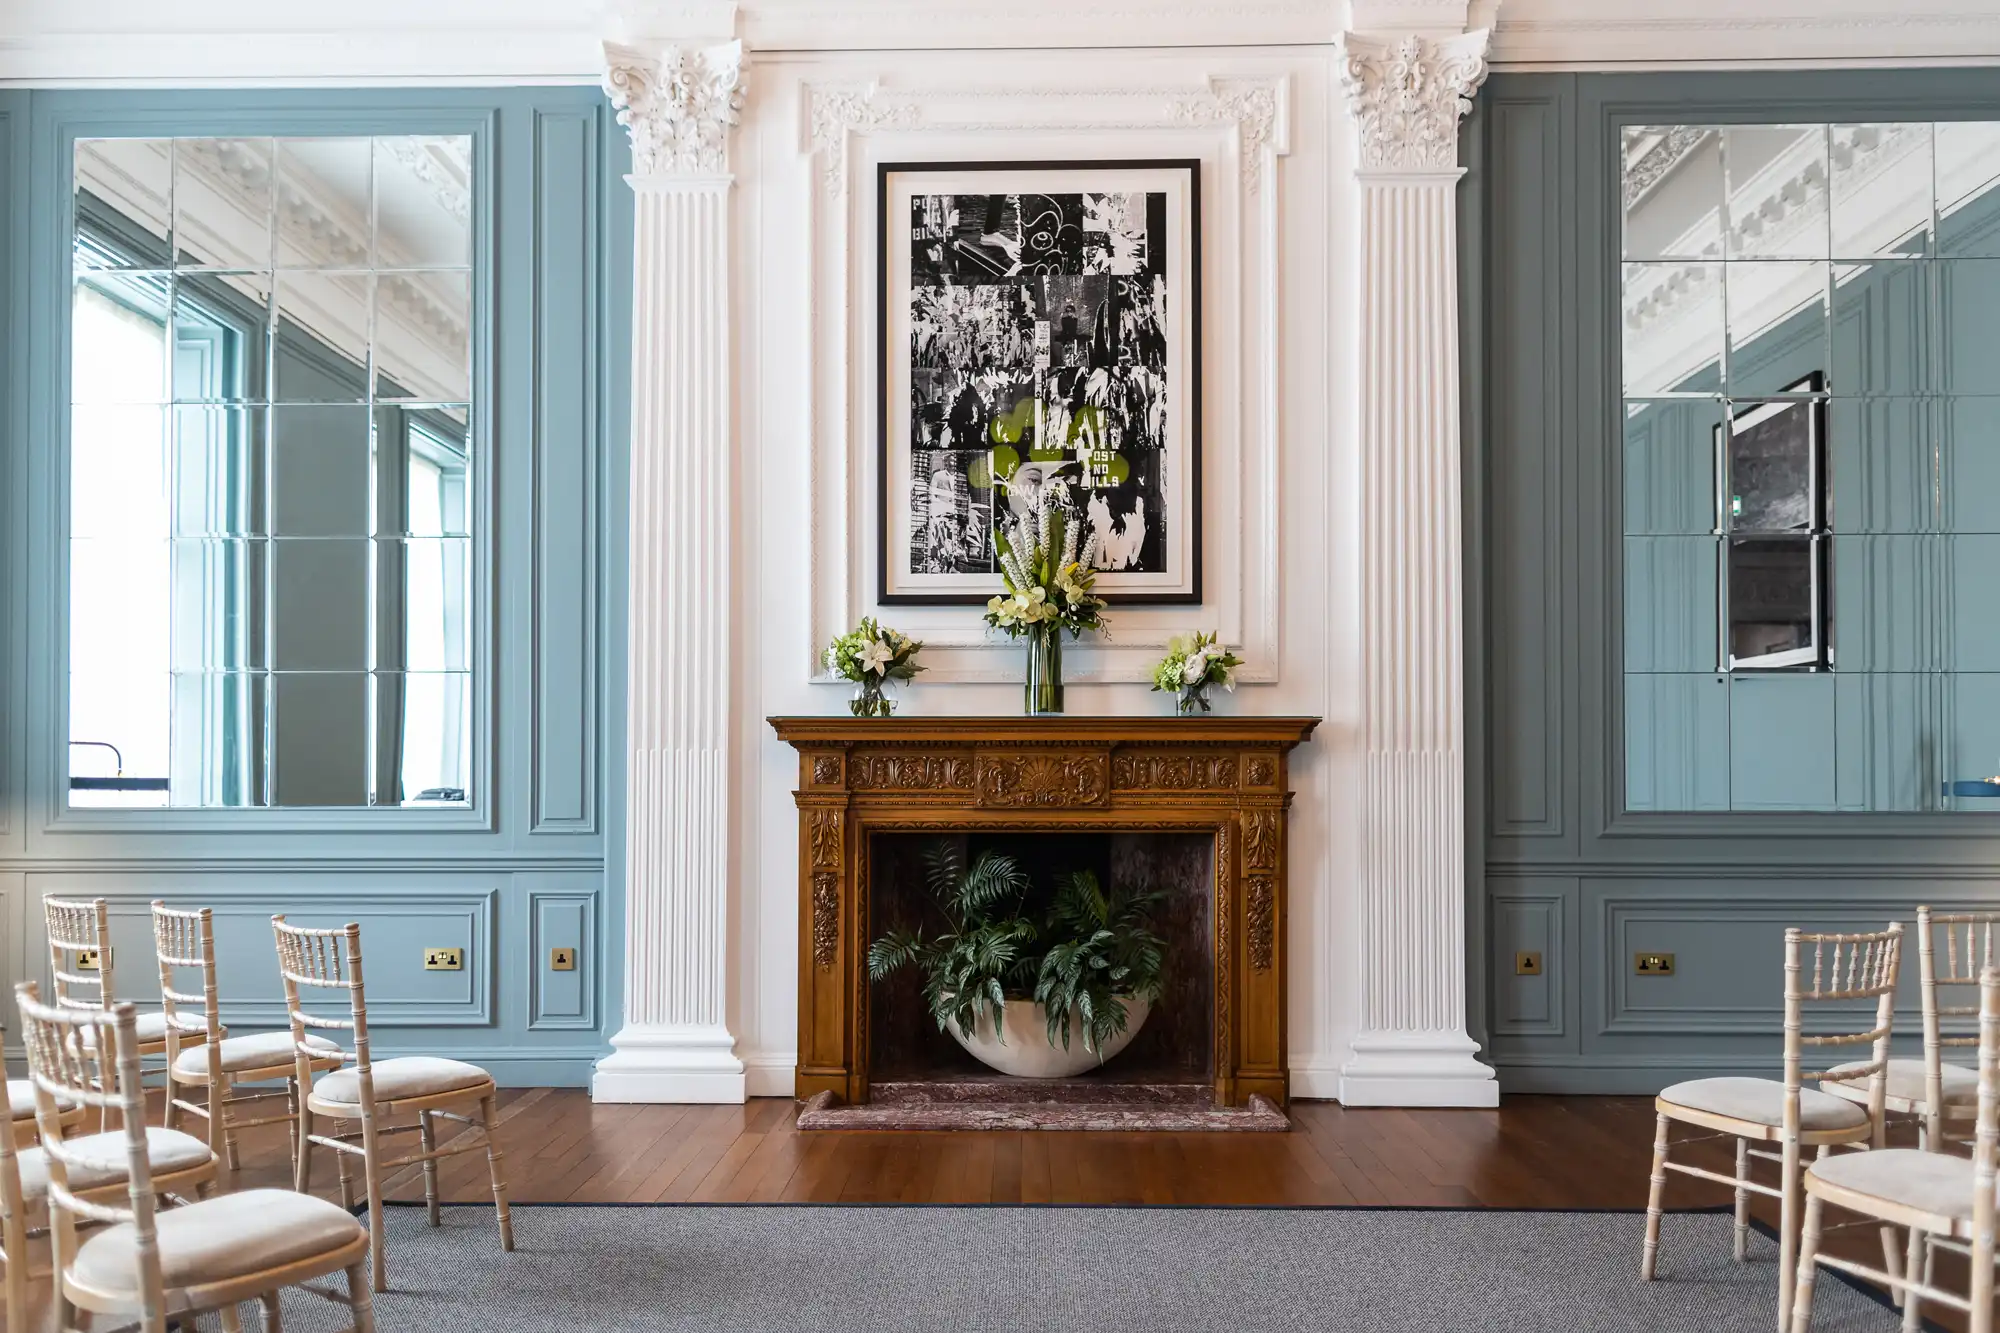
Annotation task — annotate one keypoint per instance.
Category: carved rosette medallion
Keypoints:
(910, 771)
(1409, 94)
(826, 770)
(678, 104)
(1042, 779)
(1260, 924)
(1260, 770)
(1170, 770)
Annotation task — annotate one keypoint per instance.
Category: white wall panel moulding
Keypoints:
(1240, 128)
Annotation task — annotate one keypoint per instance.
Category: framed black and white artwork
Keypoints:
(1040, 323)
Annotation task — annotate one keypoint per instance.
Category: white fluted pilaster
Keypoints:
(675, 1044)
(1413, 1049)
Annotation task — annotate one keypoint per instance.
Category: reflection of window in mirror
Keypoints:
(271, 472)
(1809, 335)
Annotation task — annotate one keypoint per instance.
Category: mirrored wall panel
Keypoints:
(271, 473)
(1811, 454)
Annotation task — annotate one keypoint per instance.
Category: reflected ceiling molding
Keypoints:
(443, 166)
(1652, 154)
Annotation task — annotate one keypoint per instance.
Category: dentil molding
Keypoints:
(1408, 95)
(678, 102)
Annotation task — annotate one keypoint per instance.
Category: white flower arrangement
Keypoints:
(1192, 664)
(1048, 580)
(871, 655)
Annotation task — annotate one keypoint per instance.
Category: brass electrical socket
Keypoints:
(443, 960)
(1653, 964)
(86, 960)
(562, 960)
(1528, 963)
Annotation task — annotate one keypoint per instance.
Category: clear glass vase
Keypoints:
(870, 700)
(1192, 699)
(1044, 693)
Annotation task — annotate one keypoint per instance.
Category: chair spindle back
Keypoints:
(323, 959)
(74, 928)
(185, 938)
(1840, 968)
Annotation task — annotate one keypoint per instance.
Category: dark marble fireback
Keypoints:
(1176, 1044)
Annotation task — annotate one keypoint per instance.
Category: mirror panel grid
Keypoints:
(1810, 337)
(271, 503)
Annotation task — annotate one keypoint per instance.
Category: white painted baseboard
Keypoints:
(1417, 1069)
(670, 1064)
(770, 1073)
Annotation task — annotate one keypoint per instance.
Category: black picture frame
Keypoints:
(1180, 583)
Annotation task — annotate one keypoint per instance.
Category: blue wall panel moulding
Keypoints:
(524, 869)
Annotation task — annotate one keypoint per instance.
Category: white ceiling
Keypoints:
(56, 41)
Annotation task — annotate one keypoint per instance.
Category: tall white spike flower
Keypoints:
(1069, 545)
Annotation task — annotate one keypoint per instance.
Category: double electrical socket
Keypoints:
(444, 960)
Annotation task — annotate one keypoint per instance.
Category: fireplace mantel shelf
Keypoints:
(1225, 776)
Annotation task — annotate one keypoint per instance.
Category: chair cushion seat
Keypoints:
(217, 1240)
(153, 1027)
(21, 1099)
(263, 1050)
(1761, 1101)
(1931, 1182)
(404, 1076)
(1906, 1080)
(169, 1151)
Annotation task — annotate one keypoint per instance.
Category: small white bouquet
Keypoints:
(871, 655)
(1192, 664)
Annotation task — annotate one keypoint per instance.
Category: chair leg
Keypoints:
(216, 1144)
(1802, 1295)
(1653, 1196)
(371, 1172)
(15, 1230)
(232, 1322)
(1742, 1200)
(427, 1132)
(302, 1160)
(497, 1167)
(346, 1162)
(1918, 1267)
(1892, 1264)
(274, 1320)
(358, 1297)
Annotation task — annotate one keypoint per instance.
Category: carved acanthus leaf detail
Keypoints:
(1043, 779)
(910, 772)
(1260, 920)
(1260, 839)
(1409, 94)
(825, 918)
(823, 834)
(678, 105)
(1169, 770)
(1255, 108)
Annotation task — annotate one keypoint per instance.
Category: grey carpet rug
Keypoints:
(983, 1270)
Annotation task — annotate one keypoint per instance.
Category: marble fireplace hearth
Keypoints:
(1196, 806)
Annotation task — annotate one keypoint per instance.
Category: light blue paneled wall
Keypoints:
(1700, 848)
(532, 865)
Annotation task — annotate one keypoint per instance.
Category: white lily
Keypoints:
(876, 657)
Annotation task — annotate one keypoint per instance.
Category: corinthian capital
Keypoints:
(678, 102)
(1408, 95)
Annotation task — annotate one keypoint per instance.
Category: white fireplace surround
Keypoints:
(1327, 185)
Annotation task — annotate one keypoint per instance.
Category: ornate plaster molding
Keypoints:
(1408, 95)
(678, 105)
(834, 112)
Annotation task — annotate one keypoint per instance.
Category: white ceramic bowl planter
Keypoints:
(1026, 1051)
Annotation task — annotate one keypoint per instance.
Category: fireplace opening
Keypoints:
(1172, 1052)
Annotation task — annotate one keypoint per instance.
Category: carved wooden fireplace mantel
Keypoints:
(1224, 776)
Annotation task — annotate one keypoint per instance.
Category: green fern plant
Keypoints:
(1104, 952)
(984, 956)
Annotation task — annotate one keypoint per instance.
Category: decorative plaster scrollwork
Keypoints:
(1409, 94)
(834, 113)
(678, 105)
(1257, 110)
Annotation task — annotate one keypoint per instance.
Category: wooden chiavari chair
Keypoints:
(177, 1163)
(375, 1089)
(143, 1265)
(1795, 1117)
(185, 939)
(76, 928)
(1943, 1199)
